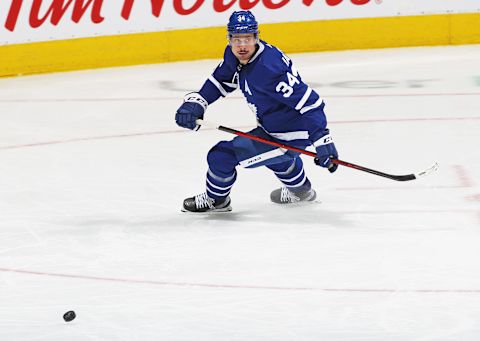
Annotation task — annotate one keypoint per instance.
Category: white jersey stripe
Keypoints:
(218, 85)
(291, 135)
(304, 99)
(313, 106)
(232, 85)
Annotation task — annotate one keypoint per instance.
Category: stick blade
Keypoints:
(432, 169)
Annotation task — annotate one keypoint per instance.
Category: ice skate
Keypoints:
(285, 196)
(202, 203)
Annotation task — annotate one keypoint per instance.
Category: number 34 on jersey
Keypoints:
(284, 87)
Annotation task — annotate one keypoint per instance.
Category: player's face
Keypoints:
(243, 46)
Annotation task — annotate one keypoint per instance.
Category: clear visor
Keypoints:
(243, 40)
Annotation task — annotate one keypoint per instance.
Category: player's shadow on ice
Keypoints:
(279, 215)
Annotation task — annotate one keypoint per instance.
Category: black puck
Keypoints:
(69, 316)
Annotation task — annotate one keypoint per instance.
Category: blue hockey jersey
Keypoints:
(285, 107)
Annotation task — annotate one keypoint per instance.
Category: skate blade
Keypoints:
(299, 203)
(217, 210)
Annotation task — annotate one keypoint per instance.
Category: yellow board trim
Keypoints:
(192, 44)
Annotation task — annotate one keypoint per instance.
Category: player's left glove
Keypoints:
(326, 151)
(192, 108)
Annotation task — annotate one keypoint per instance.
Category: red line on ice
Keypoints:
(232, 286)
(463, 176)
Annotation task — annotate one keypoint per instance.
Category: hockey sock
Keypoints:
(218, 188)
(292, 175)
(221, 173)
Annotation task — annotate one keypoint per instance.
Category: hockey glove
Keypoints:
(192, 108)
(326, 151)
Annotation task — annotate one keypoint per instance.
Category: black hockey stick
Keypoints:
(406, 177)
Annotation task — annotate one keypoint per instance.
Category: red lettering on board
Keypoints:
(248, 4)
(57, 9)
(270, 5)
(337, 2)
(157, 6)
(12, 17)
(219, 6)
(178, 6)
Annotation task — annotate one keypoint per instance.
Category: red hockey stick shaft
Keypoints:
(406, 177)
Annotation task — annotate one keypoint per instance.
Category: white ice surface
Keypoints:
(93, 171)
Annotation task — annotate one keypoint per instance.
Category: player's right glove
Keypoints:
(192, 108)
(326, 151)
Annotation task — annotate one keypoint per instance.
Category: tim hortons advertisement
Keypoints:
(24, 21)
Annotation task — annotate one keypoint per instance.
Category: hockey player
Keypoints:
(287, 111)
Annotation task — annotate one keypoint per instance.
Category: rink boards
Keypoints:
(203, 43)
